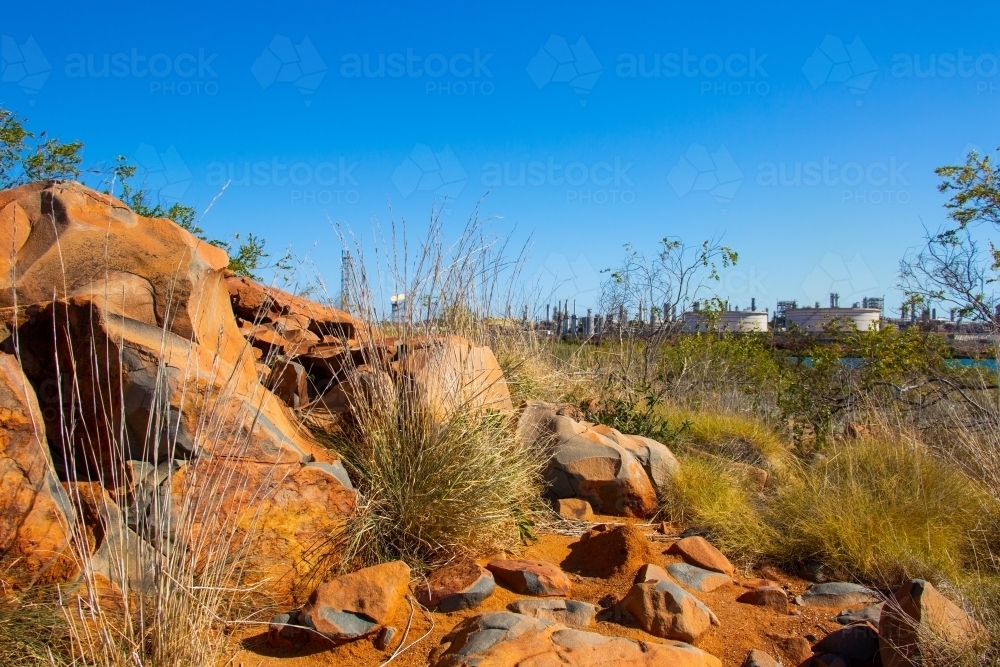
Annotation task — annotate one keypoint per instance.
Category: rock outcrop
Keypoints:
(36, 516)
(915, 614)
(587, 462)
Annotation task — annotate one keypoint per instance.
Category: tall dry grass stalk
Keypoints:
(439, 469)
(170, 574)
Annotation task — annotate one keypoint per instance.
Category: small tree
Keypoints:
(25, 158)
(952, 268)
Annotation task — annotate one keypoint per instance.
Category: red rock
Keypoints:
(357, 604)
(585, 464)
(575, 509)
(767, 596)
(918, 609)
(531, 577)
(36, 516)
(258, 303)
(651, 572)
(698, 551)
(503, 639)
(460, 585)
(290, 513)
(795, 650)
(757, 658)
(664, 609)
(449, 372)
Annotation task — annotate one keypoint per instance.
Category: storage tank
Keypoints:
(818, 319)
(728, 320)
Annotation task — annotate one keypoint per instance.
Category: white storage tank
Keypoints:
(728, 320)
(818, 319)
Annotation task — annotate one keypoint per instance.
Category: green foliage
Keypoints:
(642, 418)
(850, 369)
(975, 188)
(25, 158)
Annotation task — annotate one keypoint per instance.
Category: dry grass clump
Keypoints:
(722, 433)
(713, 495)
(882, 510)
(32, 631)
(878, 510)
(430, 489)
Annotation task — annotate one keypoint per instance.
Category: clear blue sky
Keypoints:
(629, 122)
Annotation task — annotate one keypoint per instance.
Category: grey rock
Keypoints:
(855, 642)
(871, 614)
(385, 637)
(696, 578)
(572, 613)
(837, 594)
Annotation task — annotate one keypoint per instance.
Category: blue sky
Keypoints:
(807, 137)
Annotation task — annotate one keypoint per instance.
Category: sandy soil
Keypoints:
(743, 627)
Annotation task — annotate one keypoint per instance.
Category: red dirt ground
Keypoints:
(744, 627)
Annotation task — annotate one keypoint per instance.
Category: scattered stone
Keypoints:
(767, 596)
(650, 572)
(384, 638)
(759, 583)
(869, 614)
(698, 579)
(794, 650)
(575, 509)
(572, 613)
(815, 572)
(664, 609)
(836, 594)
(359, 603)
(698, 551)
(531, 577)
(501, 639)
(287, 630)
(609, 551)
(757, 658)
(854, 642)
(461, 585)
(918, 608)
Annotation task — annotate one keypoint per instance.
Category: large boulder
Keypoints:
(449, 373)
(142, 393)
(62, 239)
(585, 464)
(915, 615)
(36, 516)
(502, 639)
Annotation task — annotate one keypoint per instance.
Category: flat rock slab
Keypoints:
(664, 609)
(854, 642)
(698, 551)
(697, 578)
(531, 577)
(766, 596)
(502, 639)
(916, 611)
(460, 585)
(572, 613)
(837, 594)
